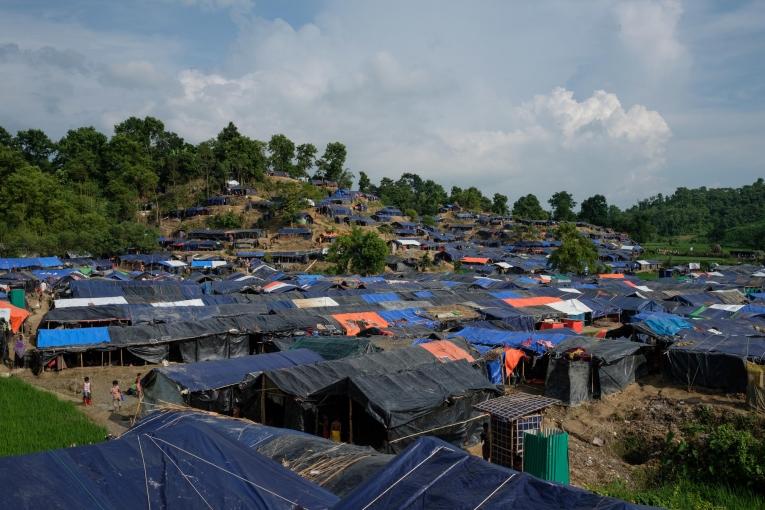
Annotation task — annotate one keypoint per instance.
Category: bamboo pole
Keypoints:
(81, 363)
(263, 400)
(350, 420)
(121, 363)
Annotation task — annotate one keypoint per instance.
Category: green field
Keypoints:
(684, 249)
(32, 420)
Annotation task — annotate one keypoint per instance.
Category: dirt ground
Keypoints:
(639, 418)
(67, 385)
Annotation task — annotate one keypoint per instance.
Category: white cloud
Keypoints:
(649, 29)
(507, 98)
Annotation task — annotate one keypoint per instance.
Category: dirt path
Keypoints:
(67, 384)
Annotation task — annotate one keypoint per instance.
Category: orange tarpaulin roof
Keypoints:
(531, 301)
(18, 315)
(444, 349)
(353, 323)
(615, 276)
(475, 260)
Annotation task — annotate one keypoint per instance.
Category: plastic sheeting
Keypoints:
(92, 301)
(155, 469)
(536, 341)
(435, 474)
(431, 398)
(56, 338)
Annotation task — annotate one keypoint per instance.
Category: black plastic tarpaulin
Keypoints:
(583, 368)
(209, 384)
(435, 474)
(431, 399)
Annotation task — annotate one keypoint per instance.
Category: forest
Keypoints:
(88, 192)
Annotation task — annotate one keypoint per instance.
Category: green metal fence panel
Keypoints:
(545, 455)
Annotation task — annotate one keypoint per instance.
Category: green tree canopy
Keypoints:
(281, 153)
(529, 208)
(562, 203)
(332, 164)
(361, 252)
(36, 147)
(499, 204)
(594, 210)
(576, 254)
(305, 160)
(365, 185)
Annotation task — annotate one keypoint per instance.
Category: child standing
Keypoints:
(116, 397)
(86, 399)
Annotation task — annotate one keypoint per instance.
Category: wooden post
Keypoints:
(121, 363)
(263, 399)
(110, 358)
(350, 420)
(102, 358)
(81, 363)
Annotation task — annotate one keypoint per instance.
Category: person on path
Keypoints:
(86, 392)
(116, 397)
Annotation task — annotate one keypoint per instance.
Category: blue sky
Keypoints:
(627, 98)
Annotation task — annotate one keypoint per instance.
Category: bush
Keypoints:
(225, 220)
(711, 452)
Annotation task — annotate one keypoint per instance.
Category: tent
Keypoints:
(435, 399)
(210, 385)
(714, 361)
(298, 451)
(17, 315)
(435, 474)
(189, 466)
(583, 368)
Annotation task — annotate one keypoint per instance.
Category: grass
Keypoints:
(686, 495)
(686, 249)
(32, 420)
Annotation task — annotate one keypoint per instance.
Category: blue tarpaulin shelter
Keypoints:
(51, 338)
(662, 324)
(187, 466)
(26, 263)
(537, 341)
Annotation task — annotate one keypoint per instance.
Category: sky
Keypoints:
(627, 99)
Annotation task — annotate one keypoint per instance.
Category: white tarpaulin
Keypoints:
(503, 265)
(727, 308)
(570, 307)
(408, 242)
(173, 263)
(316, 302)
(185, 302)
(569, 290)
(91, 301)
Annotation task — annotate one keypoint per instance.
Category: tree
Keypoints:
(499, 204)
(305, 158)
(36, 147)
(576, 254)
(80, 156)
(529, 208)
(562, 203)
(361, 252)
(282, 152)
(5, 137)
(331, 165)
(365, 185)
(594, 210)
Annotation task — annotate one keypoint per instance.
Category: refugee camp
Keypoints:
(354, 255)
